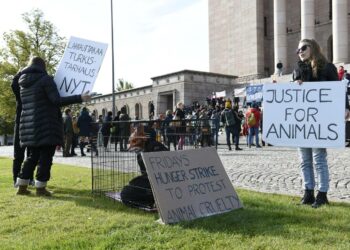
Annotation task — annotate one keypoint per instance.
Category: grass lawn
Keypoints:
(74, 219)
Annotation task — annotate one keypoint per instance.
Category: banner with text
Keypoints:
(308, 115)
(254, 93)
(189, 184)
(79, 66)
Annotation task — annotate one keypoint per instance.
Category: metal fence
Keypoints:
(114, 148)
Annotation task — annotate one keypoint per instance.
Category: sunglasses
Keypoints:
(302, 49)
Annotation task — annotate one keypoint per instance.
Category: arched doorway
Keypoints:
(151, 110)
(138, 111)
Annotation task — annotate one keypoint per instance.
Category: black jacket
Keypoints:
(329, 72)
(16, 91)
(41, 119)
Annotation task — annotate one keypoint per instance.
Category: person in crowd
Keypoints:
(180, 130)
(341, 73)
(215, 125)
(169, 130)
(279, 68)
(75, 135)
(18, 150)
(237, 127)
(314, 67)
(116, 130)
(253, 122)
(227, 118)
(204, 133)
(40, 123)
(106, 128)
(124, 127)
(67, 132)
(86, 126)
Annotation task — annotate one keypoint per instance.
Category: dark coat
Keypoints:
(329, 72)
(106, 126)
(180, 115)
(41, 118)
(85, 124)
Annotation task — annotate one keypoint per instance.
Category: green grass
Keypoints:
(74, 219)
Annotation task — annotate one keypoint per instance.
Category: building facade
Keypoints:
(248, 38)
(166, 91)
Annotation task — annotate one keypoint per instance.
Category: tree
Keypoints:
(42, 40)
(124, 85)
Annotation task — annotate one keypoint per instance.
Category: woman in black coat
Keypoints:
(41, 126)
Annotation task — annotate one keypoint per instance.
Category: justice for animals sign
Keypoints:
(79, 66)
(189, 184)
(306, 115)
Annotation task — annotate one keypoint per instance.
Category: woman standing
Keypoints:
(181, 129)
(314, 67)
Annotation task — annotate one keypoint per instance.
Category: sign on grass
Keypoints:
(189, 184)
(79, 66)
(306, 115)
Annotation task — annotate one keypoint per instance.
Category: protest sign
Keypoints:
(189, 184)
(79, 66)
(254, 93)
(307, 115)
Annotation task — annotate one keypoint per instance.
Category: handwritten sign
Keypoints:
(189, 184)
(79, 66)
(308, 115)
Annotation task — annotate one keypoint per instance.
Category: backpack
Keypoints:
(229, 118)
(251, 120)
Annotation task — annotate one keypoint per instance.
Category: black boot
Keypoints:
(321, 199)
(238, 148)
(308, 198)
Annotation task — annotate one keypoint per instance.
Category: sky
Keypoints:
(151, 37)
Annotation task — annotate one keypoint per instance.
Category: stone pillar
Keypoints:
(280, 32)
(340, 31)
(308, 19)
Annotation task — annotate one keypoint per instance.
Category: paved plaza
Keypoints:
(267, 169)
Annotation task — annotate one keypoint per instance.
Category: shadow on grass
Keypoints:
(266, 217)
(87, 199)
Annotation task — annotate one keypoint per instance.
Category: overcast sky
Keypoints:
(151, 37)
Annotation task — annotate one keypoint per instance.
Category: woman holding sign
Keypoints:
(41, 126)
(314, 67)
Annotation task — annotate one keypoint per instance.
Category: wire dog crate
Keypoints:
(114, 162)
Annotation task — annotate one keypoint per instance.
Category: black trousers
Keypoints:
(18, 155)
(44, 154)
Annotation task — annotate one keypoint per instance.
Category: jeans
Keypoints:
(319, 157)
(252, 131)
(229, 131)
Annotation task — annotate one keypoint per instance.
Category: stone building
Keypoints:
(188, 86)
(248, 38)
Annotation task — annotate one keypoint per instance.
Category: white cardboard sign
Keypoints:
(79, 66)
(189, 184)
(308, 115)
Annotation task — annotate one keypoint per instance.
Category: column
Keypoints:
(340, 31)
(280, 32)
(308, 19)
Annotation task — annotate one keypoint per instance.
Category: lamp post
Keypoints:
(113, 88)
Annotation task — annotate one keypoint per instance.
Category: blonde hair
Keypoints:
(179, 104)
(317, 59)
